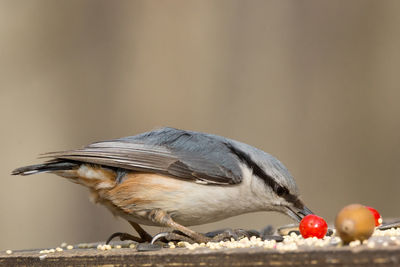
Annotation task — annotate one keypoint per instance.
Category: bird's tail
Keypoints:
(50, 166)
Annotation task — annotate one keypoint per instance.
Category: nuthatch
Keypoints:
(176, 178)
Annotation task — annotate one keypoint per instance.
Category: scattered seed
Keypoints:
(42, 257)
(355, 243)
(181, 244)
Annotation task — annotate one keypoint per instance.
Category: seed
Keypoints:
(355, 243)
(42, 257)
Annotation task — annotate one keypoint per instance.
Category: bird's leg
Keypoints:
(123, 237)
(142, 233)
(144, 236)
(161, 217)
(188, 235)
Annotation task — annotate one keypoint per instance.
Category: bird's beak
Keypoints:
(297, 213)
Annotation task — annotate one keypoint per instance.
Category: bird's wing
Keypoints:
(200, 158)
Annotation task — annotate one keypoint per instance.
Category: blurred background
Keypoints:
(315, 83)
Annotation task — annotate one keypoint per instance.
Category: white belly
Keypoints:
(187, 202)
(190, 203)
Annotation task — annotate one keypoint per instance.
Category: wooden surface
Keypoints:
(345, 256)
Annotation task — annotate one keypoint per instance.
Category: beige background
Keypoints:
(315, 83)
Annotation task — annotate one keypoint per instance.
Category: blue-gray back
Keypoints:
(183, 154)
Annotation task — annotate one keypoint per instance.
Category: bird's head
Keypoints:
(271, 182)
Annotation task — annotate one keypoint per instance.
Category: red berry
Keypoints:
(377, 216)
(313, 225)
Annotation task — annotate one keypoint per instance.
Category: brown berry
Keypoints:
(354, 222)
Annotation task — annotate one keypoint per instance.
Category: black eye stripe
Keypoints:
(281, 191)
(277, 188)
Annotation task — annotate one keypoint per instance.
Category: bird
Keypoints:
(177, 178)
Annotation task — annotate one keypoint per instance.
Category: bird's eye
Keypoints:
(280, 191)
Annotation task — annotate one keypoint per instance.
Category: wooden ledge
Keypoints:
(344, 256)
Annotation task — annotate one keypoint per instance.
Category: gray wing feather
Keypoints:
(178, 153)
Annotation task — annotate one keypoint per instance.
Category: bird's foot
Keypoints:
(125, 236)
(177, 236)
(214, 236)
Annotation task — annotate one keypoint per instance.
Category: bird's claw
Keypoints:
(123, 237)
(174, 236)
(215, 236)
